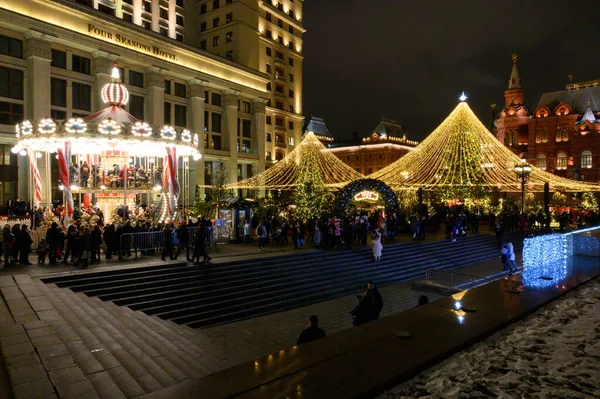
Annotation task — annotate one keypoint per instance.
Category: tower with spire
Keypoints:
(514, 95)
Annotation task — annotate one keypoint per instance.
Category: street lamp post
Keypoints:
(523, 171)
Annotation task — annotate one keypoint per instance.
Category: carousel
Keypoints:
(111, 161)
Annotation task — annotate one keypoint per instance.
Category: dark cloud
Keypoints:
(411, 60)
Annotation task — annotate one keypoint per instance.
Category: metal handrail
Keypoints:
(452, 274)
(150, 242)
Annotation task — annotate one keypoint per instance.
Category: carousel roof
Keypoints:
(111, 129)
(310, 155)
(461, 152)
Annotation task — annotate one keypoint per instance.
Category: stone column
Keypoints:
(37, 95)
(196, 107)
(231, 135)
(155, 97)
(102, 70)
(259, 132)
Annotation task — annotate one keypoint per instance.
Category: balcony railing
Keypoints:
(280, 128)
(280, 78)
(279, 144)
(280, 94)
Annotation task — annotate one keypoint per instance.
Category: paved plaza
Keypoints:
(57, 341)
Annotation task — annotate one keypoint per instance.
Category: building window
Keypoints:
(202, 26)
(538, 135)
(291, 109)
(215, 100)
(167, 86)
(269, 70)
(541, 161)
(268, 34)
(167, 113)
(206, 121)
(179, 20)
(291, 77)
(5, 153)
(180, 90)
(215, 41)
(12, 83)
(545, 135)
(180, 115)
(81, 64)
(11, 47)
(586, 159)
(127, 17)
(203, 9)
(164, 31)
(216, 141)
(164, 13)
(291, 29)
(215, 120)
(58, 92)
(136, 106)
(59, 59)
(279, 23)
(246, 128)
(278, 156)
(229, 55)
(180, 3)
(136, 79)
(228, 37)
(148, 6)
(82, 96)
(291, 61)
(291, 45)
(565, 135)
(561, 161)
(269, 120)
(215, 4)
(229, 18)
(268, 138)
(279, 138)
(268, 51)
(203, 45)
(269, 86)
(215, 22)
(246, 107)
(291, 125)
(291, 93)
(279, 55)
(268, 155)
(10, 114)
(268, 17)
(279, 88)
(147, 24)
(278, 121)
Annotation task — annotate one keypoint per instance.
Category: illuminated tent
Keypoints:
(461, 152)
(310, 156)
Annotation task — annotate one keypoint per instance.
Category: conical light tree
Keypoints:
(311, 195)
(310, 156)
(462, 158)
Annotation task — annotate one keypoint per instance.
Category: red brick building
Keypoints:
(383, 146)
(561, 135)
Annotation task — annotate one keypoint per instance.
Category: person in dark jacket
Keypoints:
(72, 244)
(167, 243)
(24, 242)
(377, 301)
(83, 247)
(312, 332)
(109, 239)
(16, 231)
(53, 239)
(363, 312)
(184, 241)
(95, 244)
(200, 246)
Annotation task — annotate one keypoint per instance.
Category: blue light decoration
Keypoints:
(545, 257)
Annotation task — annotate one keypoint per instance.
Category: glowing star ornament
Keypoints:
(168, 132)
(109, 127)
(76, 126)
(141, 129)
(463, 97)
(26, 128)
(186, 136)
(47, 126)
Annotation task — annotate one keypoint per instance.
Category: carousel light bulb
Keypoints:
(197, 156)
(151, 160)
(103, 187)
(61, 187)
(130, 160)
(158, 187)
(15, 150)
(38, 154)
(73, 187)
(56, 156)
(115, 73)
(22, 152)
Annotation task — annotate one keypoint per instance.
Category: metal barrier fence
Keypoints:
(152, 242)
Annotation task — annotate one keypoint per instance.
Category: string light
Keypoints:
(544, 260)
(186, 136)
(462, 153)
(168, 132)
(109, 126)
(75, 126)
(285, 173)
(26, 128)
(141, 129)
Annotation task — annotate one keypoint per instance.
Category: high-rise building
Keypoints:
(265, 35)
(55, 55)
(558, 134)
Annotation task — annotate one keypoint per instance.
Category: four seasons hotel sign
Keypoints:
(127, 42)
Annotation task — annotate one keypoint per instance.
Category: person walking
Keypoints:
(53, 239)
(261, 231)
(200, 245)
(376, 244)
(247, 232)
(109, 239)
(167, 243)
(300, 232)
(8, 245)
(24, 242)
(504, 256)
(184, 241)
(312, 332)
(511, 258)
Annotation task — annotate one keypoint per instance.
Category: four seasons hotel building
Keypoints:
(55, 55)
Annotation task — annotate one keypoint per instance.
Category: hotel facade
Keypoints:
(56, 55)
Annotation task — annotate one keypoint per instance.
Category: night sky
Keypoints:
(410, 60)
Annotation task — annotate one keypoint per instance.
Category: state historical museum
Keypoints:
(560, 134)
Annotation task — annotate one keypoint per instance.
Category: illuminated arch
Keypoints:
(346, 195)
